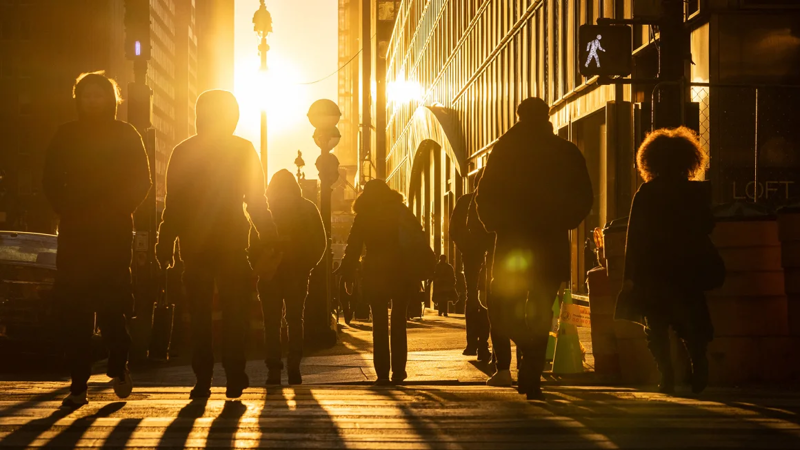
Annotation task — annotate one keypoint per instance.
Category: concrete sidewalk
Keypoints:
(409, 417)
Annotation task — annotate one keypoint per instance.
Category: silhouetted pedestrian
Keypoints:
(669, 257)
(535, 188)
(473, 241)
(388, 229)
(302, 242)
(210, 177)
(444, 285)
(95, 176)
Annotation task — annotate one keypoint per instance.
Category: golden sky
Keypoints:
(303, 48)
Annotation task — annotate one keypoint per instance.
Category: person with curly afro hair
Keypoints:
(669, 257)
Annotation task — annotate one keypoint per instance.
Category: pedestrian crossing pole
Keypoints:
(324, 115)
(137, 49)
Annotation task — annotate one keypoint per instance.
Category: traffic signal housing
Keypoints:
(137, 29)
(605, 50)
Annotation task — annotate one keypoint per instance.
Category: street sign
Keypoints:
(605, 50)
(575, 315)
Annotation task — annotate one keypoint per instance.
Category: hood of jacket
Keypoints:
(282, 187)
(217, 113)
(376, 194)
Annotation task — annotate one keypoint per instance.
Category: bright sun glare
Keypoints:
(278, 90)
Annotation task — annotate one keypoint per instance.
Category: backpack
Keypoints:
(416, 256)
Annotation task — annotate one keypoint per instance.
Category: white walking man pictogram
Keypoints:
(592, 47)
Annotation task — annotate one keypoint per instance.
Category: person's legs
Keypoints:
(400, 299)
(198, 279)
(114, 329)
(78, 326)
(235, 277)
(472, 270)
(379, 303)
(296, 292)
(533, 346)
(657, 331)
(509, 291)
(271, 296)
(692, 324)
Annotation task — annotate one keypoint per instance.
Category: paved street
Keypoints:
(444, 407)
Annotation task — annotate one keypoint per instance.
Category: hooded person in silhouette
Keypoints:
(380, 212)
(95, 176)
(210, 178)
(535, 188)
(302, 242)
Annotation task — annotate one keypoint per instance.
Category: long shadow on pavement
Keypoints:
(23, 436)
(177, 433)
(121, 433)
(223, 428)
(675, 422)
(310, 418)
(70, 436)
(40, 398)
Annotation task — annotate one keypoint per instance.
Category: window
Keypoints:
(24, 28)
(6, 66)
(7, 25)
(24, 143)
(25, 104)
(24, 66)
(24, 182)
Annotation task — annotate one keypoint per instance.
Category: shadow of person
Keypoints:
(25, 435)
(223, 428)
(630, 418)
(39, 398)
(177, 433)
(121, 433)
(302, 416)
(70, 436)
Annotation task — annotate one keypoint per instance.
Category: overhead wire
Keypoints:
(340, 68)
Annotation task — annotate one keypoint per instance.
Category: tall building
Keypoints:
(456, 70)
(215, 34)
(365, 28)
(46, 44)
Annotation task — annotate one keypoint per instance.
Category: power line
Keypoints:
(340, 68)
(334, 72)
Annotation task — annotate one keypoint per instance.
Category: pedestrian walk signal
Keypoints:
(605, 50)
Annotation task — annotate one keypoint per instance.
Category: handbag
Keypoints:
(163, 317)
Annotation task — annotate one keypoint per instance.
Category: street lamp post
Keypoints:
(324, 115)
(262, 24)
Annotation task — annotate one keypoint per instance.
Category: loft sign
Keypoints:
(766, 190)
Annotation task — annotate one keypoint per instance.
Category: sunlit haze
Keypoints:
(302, 49)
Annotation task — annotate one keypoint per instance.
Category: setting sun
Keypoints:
(302, 50)
(277, 90)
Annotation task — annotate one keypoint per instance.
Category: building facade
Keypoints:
(456, 70)
(365, 29)
(45, 45)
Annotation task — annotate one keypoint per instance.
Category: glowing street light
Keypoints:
(262, 25)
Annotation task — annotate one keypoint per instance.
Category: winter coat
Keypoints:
(209, 178)
(668, 230)
(534, 189)
(466, 230)
(376, 227)
(444, 279)
(96, 174)
(301, 234)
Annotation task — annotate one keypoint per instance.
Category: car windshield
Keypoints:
(32, 250)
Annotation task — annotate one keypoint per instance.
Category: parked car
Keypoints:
(28, 313)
